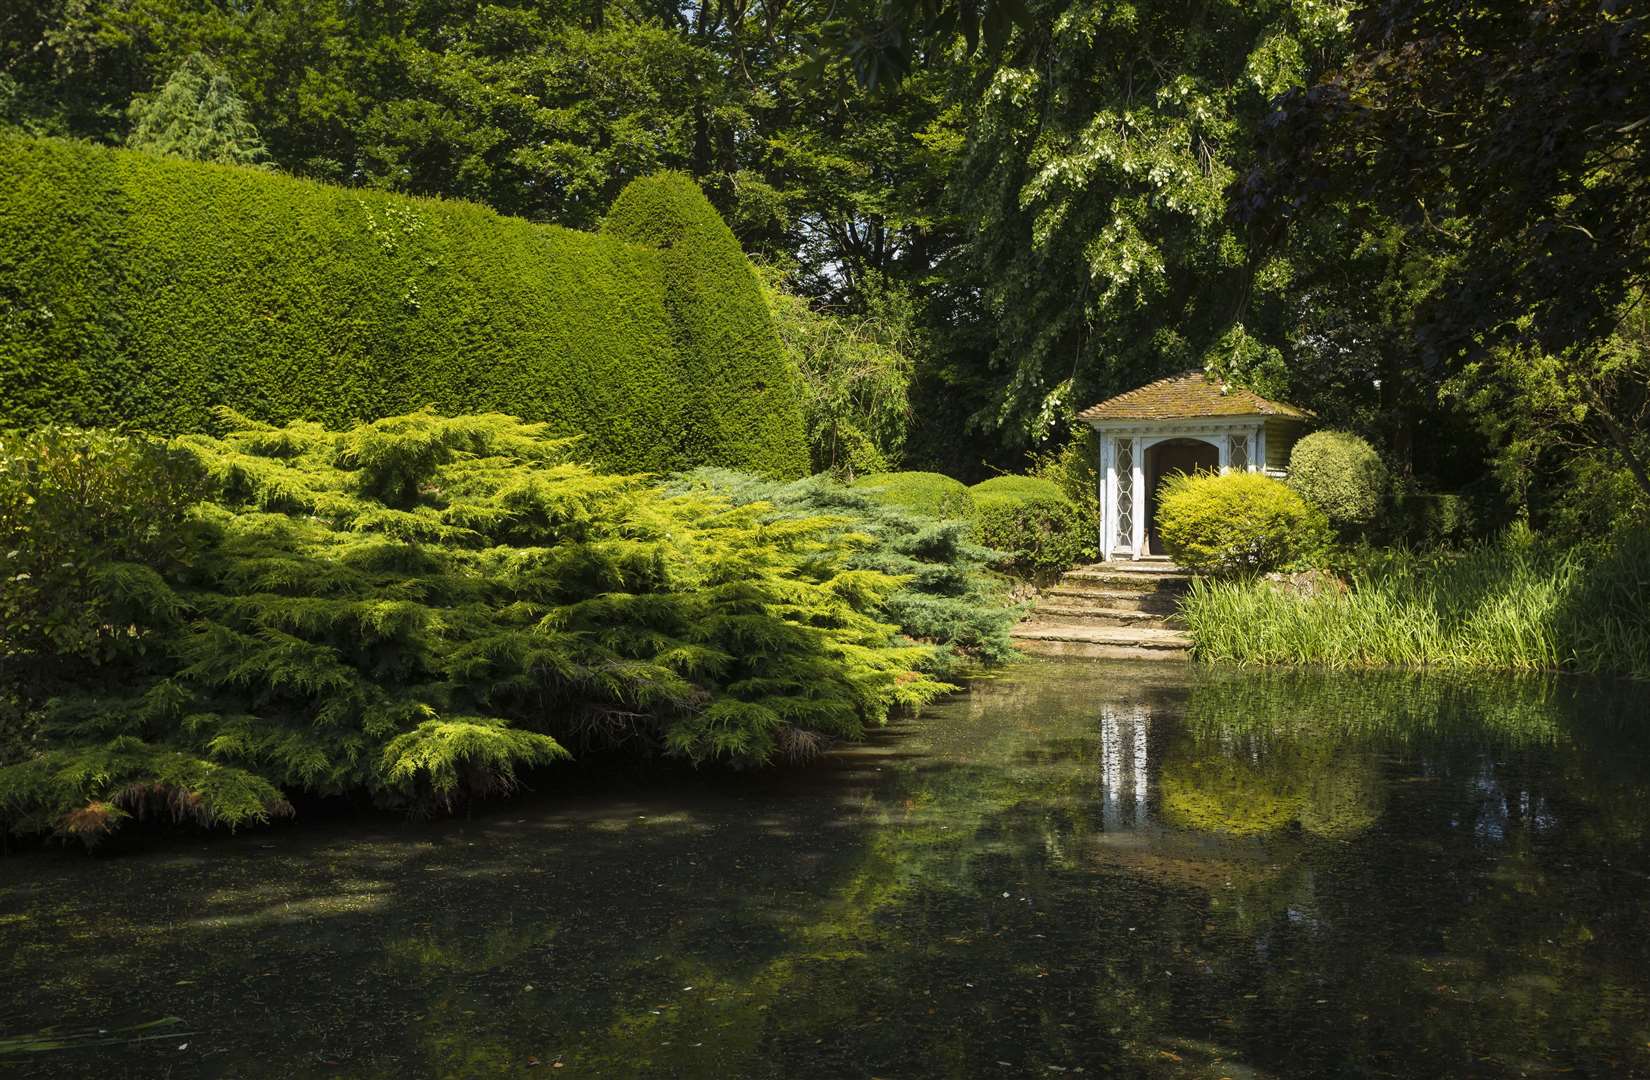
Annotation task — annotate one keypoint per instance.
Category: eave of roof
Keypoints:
(1189, 395)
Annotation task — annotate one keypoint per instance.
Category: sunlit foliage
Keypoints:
(421, 608)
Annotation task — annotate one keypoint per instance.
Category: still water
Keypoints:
(1080, 869)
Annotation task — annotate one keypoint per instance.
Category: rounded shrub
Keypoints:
(1031, 521)
(142, 291)
(927, 493)
(1238, 523)
(1340, 474)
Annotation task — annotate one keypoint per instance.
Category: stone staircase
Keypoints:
(1121, 610)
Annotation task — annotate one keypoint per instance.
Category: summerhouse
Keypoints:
(1182, 423)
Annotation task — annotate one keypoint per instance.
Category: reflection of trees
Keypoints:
(1454, 901)
(1260, 786)
(1266, 751)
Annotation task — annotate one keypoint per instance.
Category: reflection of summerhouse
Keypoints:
(1183, 423)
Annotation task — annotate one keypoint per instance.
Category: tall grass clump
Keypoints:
(1515, 604)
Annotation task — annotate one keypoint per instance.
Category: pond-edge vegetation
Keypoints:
(420, 608)
(1516, 603)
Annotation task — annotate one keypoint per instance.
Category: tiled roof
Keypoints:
(1189, 394)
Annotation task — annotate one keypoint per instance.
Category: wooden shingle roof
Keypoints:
(1189, 395)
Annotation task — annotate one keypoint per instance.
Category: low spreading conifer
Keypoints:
(422, 608)
(949, 595)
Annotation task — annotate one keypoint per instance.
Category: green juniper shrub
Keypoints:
(1238, 523)
(1341, 475)
(926, 493)
(1041, 531)
(421, 608)
(948, 596)
(86, 519)
(139, 290)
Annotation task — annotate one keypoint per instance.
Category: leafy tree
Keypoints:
(1571, 432)
(548, 120)
(1509, 139)
(1093, 182)
(197, 115)
(856, 376)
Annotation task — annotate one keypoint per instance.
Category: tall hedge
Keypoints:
(142, 291)
(751, 395)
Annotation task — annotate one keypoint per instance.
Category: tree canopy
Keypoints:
(198, 116)
(1373, 207)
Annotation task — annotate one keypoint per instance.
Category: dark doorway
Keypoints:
(1172, 456)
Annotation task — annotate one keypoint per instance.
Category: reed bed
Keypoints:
(1515, 604)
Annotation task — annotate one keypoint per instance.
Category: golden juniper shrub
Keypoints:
(423, 607)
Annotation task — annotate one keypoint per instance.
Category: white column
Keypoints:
(1111, 769)
(1103, 481)
(1138, 538)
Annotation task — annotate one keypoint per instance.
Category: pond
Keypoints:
(1076, 869)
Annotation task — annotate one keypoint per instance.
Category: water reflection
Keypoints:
(1125, 768)
(1158, 871)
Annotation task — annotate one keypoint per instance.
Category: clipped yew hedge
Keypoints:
(748, 395)
(141, 291)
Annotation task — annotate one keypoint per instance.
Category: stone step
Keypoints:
(1117, 642)
(1120, 579)
(1091, 615)
(1161, 602)
(1148, 565)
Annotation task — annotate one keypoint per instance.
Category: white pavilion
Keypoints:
(1182, 423)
